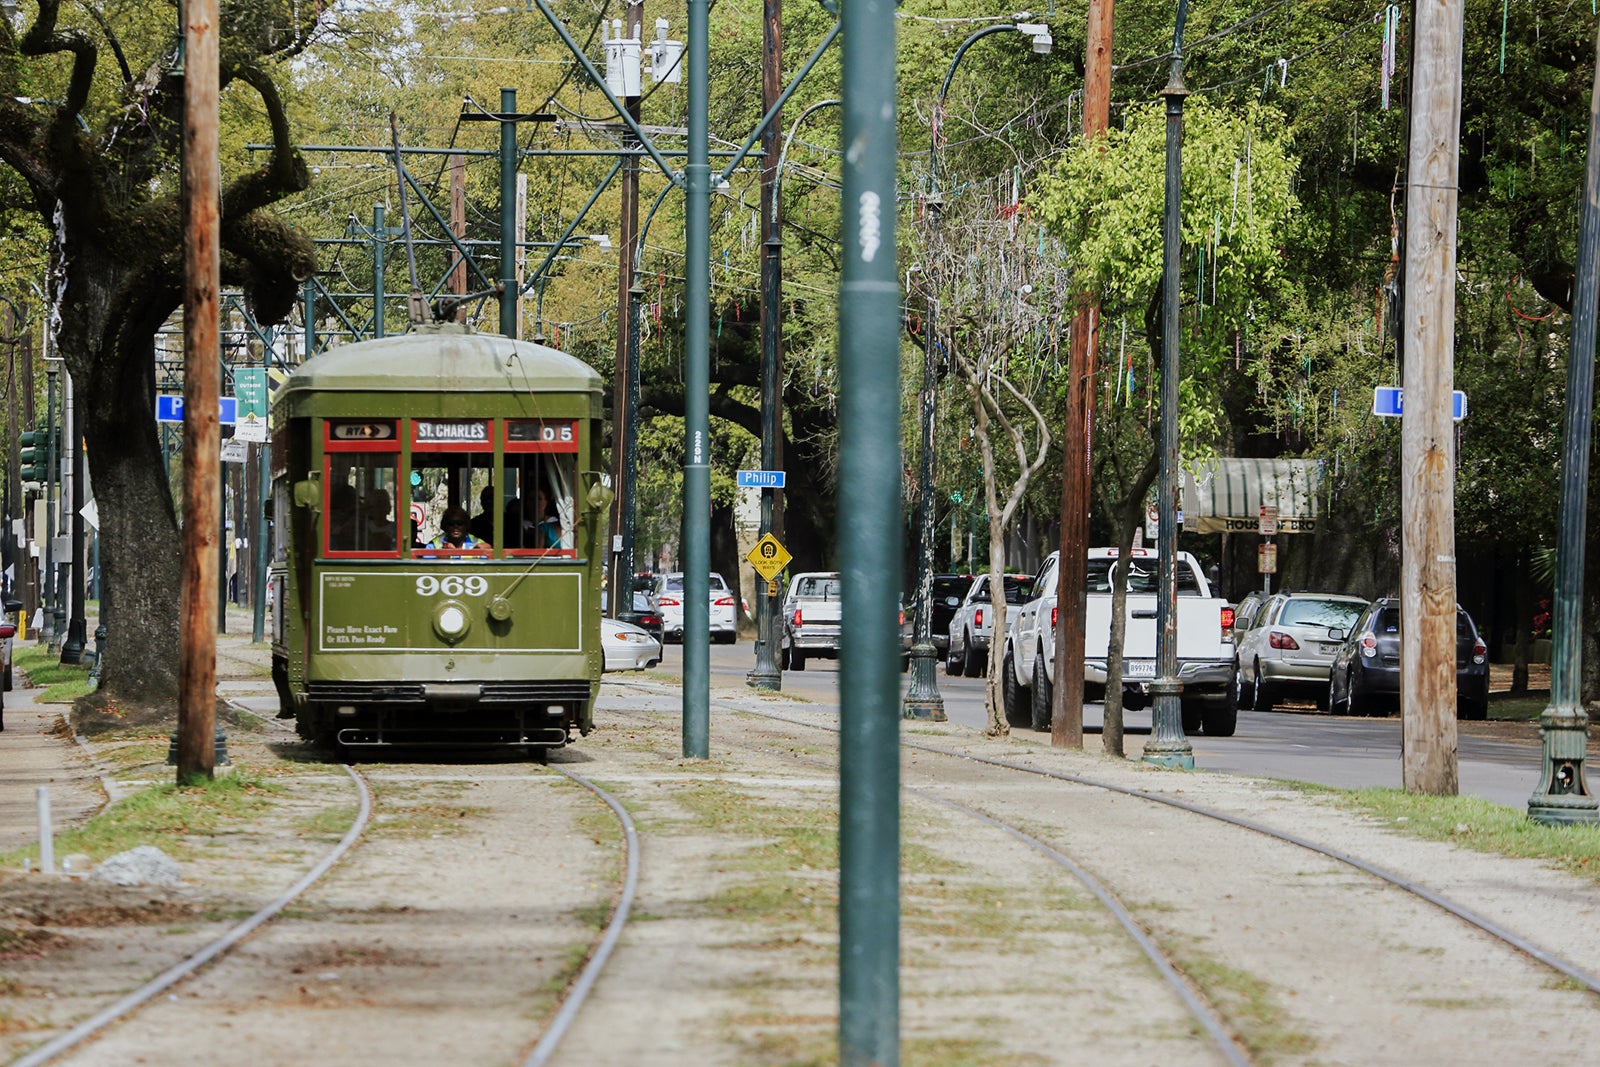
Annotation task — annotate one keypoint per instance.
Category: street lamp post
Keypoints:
(922, 699)
(1168, 746)
(1562, 795)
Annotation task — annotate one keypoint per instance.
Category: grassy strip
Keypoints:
(175, 820)
(62, 682)
(1475, 823)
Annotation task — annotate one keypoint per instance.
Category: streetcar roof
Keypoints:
(444, 357)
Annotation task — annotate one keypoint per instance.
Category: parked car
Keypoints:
(1244, 613)
(811, 619)
(666, 600)
(1203, 628)
(1290, 645)
(967, 639)
(628, 647)
(948, 592)
(639, 612)
(1366, 669)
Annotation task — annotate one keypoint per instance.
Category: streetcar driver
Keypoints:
(454, 531)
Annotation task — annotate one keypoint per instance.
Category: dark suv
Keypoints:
(1366, 669)
(948, 592)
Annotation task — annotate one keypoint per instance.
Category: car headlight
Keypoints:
(451, 621)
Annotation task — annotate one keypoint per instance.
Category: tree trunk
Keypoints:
(1523, 611)
(106, 345)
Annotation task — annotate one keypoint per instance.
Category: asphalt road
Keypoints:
(1301, 745)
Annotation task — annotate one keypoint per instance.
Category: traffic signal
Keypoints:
(30, 464)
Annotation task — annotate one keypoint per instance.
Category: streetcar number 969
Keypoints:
(452, 585)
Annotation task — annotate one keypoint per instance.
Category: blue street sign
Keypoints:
(169, 408)
(1390, 402)
(761, 479)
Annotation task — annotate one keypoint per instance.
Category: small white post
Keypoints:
(47, 848)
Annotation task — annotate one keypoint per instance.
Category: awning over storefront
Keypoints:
(1225, 495)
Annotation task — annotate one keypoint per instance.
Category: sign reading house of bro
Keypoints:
(432, 433)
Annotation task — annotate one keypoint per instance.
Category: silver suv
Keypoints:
(1288, 649)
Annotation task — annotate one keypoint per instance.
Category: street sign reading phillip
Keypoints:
(761, 479)
(169, 408)
(1390, 402)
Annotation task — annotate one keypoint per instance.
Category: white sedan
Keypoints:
(627, 647)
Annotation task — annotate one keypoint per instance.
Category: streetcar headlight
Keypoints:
(450, 621)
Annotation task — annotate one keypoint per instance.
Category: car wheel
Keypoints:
(1358, 705)
(1244, 694)
(1473, 709)
(1265, 697)
(952, 661)
(1335, 705)
(797, 659)
(973, 661)
(1220, 720)
(1040, 704)
(1011, 692)
(8, 677)
(1190, 717)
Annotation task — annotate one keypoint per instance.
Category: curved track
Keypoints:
(572, 997)
(192, 963)
(578, 992)
(1488, 926)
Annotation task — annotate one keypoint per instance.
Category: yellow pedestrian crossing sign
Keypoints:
(768, 557)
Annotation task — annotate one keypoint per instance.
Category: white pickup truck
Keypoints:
(1205, 644)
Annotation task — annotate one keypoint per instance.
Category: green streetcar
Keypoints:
(393, 625)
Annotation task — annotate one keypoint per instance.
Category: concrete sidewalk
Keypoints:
(37, 750)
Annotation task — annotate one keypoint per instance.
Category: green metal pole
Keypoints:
(1562, 795)
(508, 213)
(308, 316)
(1168, 746)
(696, 531)
(869, 537)
(380, 234)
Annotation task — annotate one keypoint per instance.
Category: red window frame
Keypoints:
(332, 446)
(570, 445)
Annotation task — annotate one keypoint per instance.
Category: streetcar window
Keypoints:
(538, 502)
(441, 481)
(360, 514)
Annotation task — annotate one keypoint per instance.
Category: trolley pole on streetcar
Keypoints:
(202, 375)
(869, 532)
(1168, 746)
(1562, 795)
(696, 530)
(623, 430)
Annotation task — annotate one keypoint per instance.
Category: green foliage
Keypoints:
(1105, 199)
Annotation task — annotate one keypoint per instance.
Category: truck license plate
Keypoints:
(1139, 668)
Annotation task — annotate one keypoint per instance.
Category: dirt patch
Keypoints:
(29, 944)
(39, 901)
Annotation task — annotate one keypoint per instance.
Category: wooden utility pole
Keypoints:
(1427, 447)
(1066, 722)
(202, 382)
(622, 430)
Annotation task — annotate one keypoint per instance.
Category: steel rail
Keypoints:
(181, 970)
(580, 989)
(1204, 1013)
(1467, 915)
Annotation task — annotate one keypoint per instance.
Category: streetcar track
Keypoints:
(194, 961)
(577, 993)
(1466, 915)
(573, 997)
(1194, 1001)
